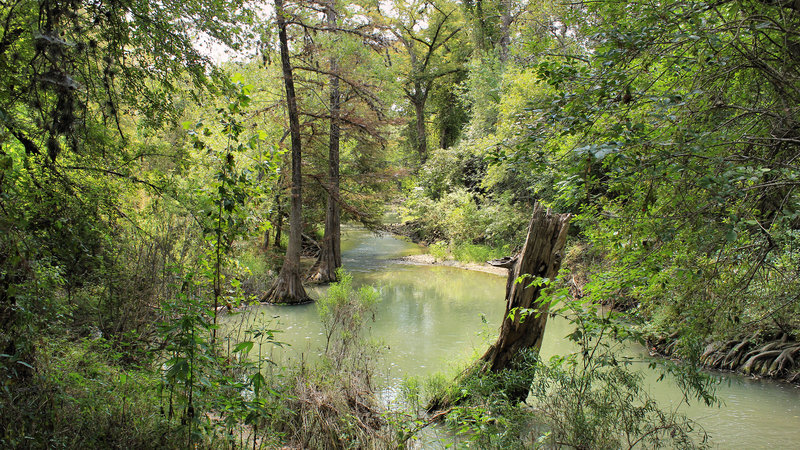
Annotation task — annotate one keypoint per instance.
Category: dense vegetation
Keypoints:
(146, 181)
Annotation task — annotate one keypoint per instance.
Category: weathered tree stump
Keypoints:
(540, 258)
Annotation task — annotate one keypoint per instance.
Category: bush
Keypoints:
(333, 405)
(79, 396)
(343, 311)
(439, 250)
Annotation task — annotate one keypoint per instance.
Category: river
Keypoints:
(434, 319)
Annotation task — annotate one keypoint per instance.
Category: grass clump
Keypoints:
(333, 405)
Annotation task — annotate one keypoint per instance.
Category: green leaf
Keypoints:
(25, 364)
(245, 347)
(237, 78)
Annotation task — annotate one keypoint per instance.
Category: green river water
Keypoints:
(434, 318)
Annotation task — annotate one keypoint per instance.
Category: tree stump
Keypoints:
(540, 258)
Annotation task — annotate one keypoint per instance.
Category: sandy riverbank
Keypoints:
(429, 260)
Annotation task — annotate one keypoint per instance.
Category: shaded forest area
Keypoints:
(163, 164)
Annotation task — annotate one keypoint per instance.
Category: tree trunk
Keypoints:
(330, 255)
(422, 133)
(279, 223)
(540, 258)
(289, 286)
(506, 19)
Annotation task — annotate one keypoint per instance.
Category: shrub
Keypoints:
(439, 250)
(479, 253)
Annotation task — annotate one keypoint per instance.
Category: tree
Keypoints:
(288, 288)
(75, 74)
(423, 29)
(347, 43)
(330, 257)
(491, 29)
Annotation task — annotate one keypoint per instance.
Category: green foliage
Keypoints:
(439, 251)
(199, 379)
(475, 229)
(594, 397)
(677, 186)
(343, 311)
(81, 395)
(666, 139)
(478, 253)
(225, 216)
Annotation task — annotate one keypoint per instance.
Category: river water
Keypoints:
(435, 319)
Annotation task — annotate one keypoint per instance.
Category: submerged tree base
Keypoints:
(323, 272)
(287, 290)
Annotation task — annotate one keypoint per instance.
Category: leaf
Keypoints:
(245, 347)
(237, 78)
(25, 364)
(179, 370)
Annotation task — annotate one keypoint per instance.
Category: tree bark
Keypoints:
(506, 19)
(278, 222)
(540, 258)
(289, 286)
(330, 255)
(419, 101)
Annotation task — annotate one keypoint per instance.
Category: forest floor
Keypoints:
(430, 260)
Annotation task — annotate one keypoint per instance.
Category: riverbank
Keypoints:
(427, 259)
(758, 356)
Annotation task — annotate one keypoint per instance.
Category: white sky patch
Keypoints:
(218, 52)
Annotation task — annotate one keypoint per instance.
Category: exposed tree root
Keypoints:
(777, 358)
(784, 361)
(756, 362)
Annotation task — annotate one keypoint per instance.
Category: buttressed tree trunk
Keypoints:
(540, 258)
(289, 286)
(330, 255)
